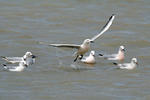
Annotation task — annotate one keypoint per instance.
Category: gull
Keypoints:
(133, 64)
(89, 59)
(28, 57)
(22, 65)
(85, 46)
(119, 56)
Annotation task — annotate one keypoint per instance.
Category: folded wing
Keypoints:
(12, 59)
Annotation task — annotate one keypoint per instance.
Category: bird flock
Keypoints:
(29, 59)
(25, 61)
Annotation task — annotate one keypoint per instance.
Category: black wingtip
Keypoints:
(2, 57)
(113, 15)
(4, 64)
(100, 54)
(115, 63)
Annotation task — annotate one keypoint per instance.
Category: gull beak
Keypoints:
(123, 49)
(26, 65)
(33, 56)
(92, 41)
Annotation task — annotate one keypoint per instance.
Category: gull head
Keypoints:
(87, 42)
(92, 53)
(134, 60)
(122, 48)
(28, 54)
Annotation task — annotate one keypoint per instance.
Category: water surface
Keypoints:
(23, 23)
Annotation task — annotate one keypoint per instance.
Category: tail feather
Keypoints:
(3, 57)
(5, 67)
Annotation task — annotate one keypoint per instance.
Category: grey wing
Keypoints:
(105, 28)
(61, 45)
(66, 45)
(110, 56)
(123, 65)
(12, 59)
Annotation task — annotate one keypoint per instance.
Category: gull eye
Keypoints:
(88, 42)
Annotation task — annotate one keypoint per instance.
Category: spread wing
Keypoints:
(66, 45)
(105, 28)
(62, 45)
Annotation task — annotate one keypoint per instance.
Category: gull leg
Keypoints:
(76, 58)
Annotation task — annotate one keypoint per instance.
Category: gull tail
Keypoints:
(5, 66)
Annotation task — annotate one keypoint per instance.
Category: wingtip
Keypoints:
(4, 65)
(41, 42)
(115, 63)
(113, 14)
(44, 43)
(53, 45)
(100, 54)
(112, 17)
(2, 56)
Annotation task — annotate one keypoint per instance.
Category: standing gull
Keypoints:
(90, 59)
(133, 64)
(119, 56)
(28, 57)
(85, 46)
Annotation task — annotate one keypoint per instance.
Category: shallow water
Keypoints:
(23, 23)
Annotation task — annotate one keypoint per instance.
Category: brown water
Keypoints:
(23, 23)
